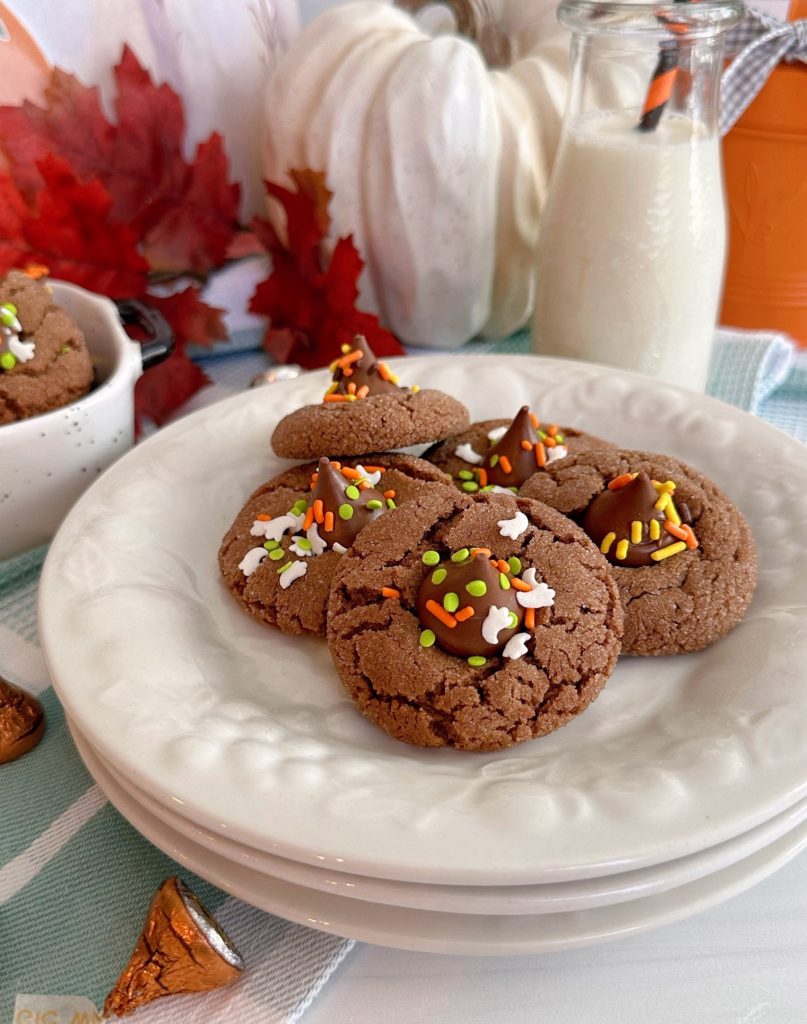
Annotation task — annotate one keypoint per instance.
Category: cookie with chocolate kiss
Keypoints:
(279, 557)
(505, 453)
(366, 409)
(473, 621)
(685, 581)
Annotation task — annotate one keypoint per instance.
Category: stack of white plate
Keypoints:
(235, 750)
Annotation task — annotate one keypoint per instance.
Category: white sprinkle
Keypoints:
(516, 646)
(372, 477)
(295, 548)
(340, 549)
(23, 351)
(496, 620)
(251, 560)
(558, 452)
(318, 545)
(541, 596)
(273, 529)
(499, 490)
(294, 572)
(467, 454)
(497, 433)
(514, 527)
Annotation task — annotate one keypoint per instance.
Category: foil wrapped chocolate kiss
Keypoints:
(180, 950)
(22, 722)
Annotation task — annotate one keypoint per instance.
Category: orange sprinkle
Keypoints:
(335, 398)
(620, 481)
(440, 613)
(364, 485)
(529, 618)
(481, 551)
(351, 388)
(328, 522)
(319, 510)
(347, 372)
(363, 391)
(464, 613)
(518, 584)
(552, 429)
(550, 442)
(540, 455)
(375, 469)
(389, 494)
(352, 357)
(351, 474)
(527, 446)
(264, 518)
(691, 539)
(390, 592)
(311, 486)
(35, 271)
(482, 477)
(383, 371)
(507, 468)
(503, 566)
(534, 420)
(309, 518)
(676, 531)
(336, 465)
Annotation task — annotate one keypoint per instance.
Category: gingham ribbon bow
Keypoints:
(762, 42)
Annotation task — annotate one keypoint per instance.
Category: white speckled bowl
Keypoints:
(47, 461)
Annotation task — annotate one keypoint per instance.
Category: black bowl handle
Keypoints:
(159, 343)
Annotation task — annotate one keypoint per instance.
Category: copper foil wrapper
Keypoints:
(180, 950)
(22, 722)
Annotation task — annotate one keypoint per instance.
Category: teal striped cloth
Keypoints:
(76, 879)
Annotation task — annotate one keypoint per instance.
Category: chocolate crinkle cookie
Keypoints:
(473, 621)
(683, 554)
(44, 362)
(496, 455)
(366, 409)
(279, 557)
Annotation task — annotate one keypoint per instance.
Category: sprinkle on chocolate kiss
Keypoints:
(345, 506)
(613, 512)
(180, 950)
(509, 463)
(351, 374)
(473, 583)
(22, 722)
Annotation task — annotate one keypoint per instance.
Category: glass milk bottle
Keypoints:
(632, 241)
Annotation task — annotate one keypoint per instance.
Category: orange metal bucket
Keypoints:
(765, 164)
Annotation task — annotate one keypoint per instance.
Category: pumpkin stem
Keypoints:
(475, 21)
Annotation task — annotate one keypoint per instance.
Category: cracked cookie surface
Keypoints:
(301, 607)
(427, 697)
(685, 602)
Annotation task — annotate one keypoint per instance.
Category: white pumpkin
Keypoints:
(439, 163)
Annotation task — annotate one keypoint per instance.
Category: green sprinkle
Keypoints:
(303, 542)
(431, 558)
(461, 555)
(451, 601)
(352, 492)
(427, 638)
(10, 307)
(560, 438)
(284, 567)
(513, 620)
(391, 503)
(64, 350)
(438, 576)
(477, 588)
(504, 583)
(493, 460)
(542, 435)
(299, 507)
(513, 489)
(277, 553)
(488, 487)
(374, 503)
(345, 511)
(271, 545)
(7, 361)
(515, 565)
(476, 660)
(465, 474)
(470, 486)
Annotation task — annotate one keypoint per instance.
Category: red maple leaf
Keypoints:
(185, 214)
(310, 300)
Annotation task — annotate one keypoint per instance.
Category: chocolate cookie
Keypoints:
(473, 621)
(44, 362)
(280, 555)
(682, 553)
(503, 454)
(366, 410)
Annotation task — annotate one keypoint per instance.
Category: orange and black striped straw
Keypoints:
(663, 81)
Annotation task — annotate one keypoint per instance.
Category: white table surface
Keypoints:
(743, 962)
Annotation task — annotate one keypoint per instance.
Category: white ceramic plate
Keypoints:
(547, 898)
(248, 732)
(433, 932)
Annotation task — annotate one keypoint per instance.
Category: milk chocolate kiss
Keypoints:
(347, 502)
(510, 452)
(360, 372)
(615, 511)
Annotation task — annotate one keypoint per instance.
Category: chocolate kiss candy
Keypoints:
(181, 949)
(616, 511)
(347, 502)
(473, 583)
(508, 463)
(22, 722)
(362, 372)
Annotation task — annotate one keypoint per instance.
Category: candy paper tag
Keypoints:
(31, 1009)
